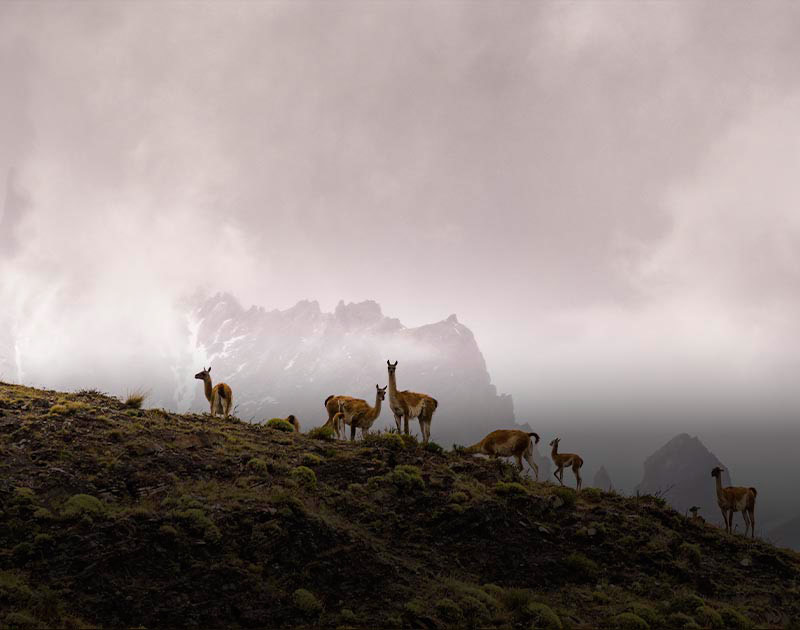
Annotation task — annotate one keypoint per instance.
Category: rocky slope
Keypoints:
(281, 362)
(116, 516)
(680, 471)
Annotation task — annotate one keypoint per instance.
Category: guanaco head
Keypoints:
(392, 366)
(381, 392)
(717, 471)
(555, 442)
(205, 374)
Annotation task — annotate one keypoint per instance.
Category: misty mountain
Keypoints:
(602, 479)
(289, 361)
(786, 535)
(681, 472)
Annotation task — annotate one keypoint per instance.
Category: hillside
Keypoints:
(122, 517)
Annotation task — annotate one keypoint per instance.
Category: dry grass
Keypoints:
(135, 399)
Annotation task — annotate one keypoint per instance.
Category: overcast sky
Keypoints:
(606, 193)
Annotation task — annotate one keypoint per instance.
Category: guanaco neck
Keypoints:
(720, 495)
(554, 452)
(392, 385)
(207, 387)
(376, 411)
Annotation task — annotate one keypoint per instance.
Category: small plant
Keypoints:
(280, 424)
(310, 459)
(681, 620)
(449, 610)
(406, 478)
(510, 489)
(257, 466)
(707, 617)
(566, 495)
(732, 618)
(543, 617)
(581, 568)
(591, 495)
(686, 603)
(306, 602)
(691, 553)
(392, 441)
(135, 399)
(629, 621)
(321, 433)
(648, 613)
(516, 600)
(83, 505)
(433, 447)
(305, 476)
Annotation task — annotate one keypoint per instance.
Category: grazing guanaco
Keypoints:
(566, 459)
(359, 415)
(733, 499)
(695, 517)
(219, 396)
(408, 405)
(508, 443)
(291, 419)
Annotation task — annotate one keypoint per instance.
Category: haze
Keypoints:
(605, 193)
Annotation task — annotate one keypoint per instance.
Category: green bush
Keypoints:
(310, 459)
(707, 617)
(306, 602)
(510, 489)
(592, 495)
(392, 441)
(305, 476)
(648, 613)
(449, 610)
(258, 466)
(433, 447)
(197, 522)
(21, 620)
(686, 603)
(681, 620)
(21, 553)
(691, 553)
(542, 617)
(13, 588)
(732, 618)
(280, 424)
(459, 497)
(629, 621)
(516, 600)
(406, 478)
(581, 568)
(83, 504)
(567, 495)
(321, 433)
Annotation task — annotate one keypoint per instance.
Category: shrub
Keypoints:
(448, 610)
(135, 399)
(21, 620)
(686, 603)
(58, 410)
(433, 447)
(305, 476)
(348, 616)
(406, 478)
(629, 621)
(280, 424)
(197, 521)
(21, 552)
(459, 497)
(707, 617)
(310, 459)
(732, 618)
(648, 613)
(681, 620)
(43, 540)
(13, 588)
(392, 441)
(542, 617)
(581, 567)
(83, 504)
(510, 489)
(516, 600)
(258, 466)
(306, 602)
(592, 495)
(321, 433)
(691, 553)
(567, 495)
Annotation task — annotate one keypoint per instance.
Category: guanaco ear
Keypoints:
(209, 369)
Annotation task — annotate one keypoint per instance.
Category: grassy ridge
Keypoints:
(118, 516)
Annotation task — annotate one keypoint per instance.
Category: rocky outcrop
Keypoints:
(680, 471)
(289, 361)
(602, 480)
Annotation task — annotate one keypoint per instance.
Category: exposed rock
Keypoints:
(602, 480)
